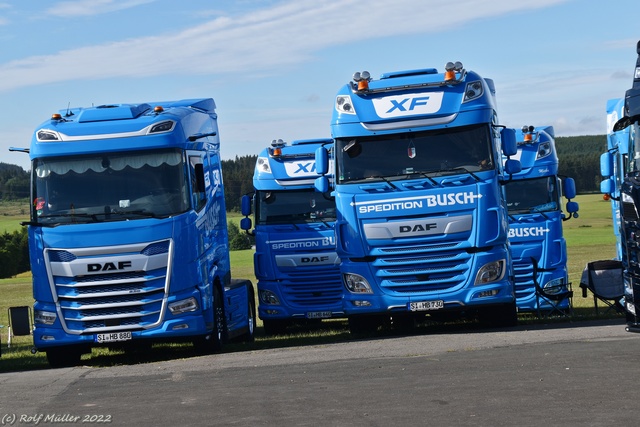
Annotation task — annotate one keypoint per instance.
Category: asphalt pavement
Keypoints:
(582, 374)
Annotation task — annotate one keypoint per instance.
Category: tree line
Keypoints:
(579, 158)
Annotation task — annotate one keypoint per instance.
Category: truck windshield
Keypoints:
(532, 195)
(294, 206)
(445, 151)
(108, 187)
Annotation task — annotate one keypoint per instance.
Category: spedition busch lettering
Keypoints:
(302, 244)
(434, 200)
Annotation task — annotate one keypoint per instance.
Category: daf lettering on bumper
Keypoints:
(416, 228)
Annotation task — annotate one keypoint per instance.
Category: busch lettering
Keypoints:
(451, 199)
(527, 232)
(108, 266)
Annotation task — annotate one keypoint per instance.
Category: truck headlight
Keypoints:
(554, 286)
(183, 306)
(356, 284)
(268, 297)
(44, 317)
(490, 272)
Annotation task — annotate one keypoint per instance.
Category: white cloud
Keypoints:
(92, 7)
(288, 33)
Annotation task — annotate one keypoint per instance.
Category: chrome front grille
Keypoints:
(105, 289)
(429, 268)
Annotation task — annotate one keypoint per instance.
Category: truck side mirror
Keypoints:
(569, 188)
(572, 208)
(245, 205)
(321, 184)
(512, 166)
(245, 224)
(509, 143)
(607, 186)
(322, 161)
(606, 164)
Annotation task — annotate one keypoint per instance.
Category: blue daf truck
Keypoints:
(422, 220)
(295, 261)
(619, 166)
(127, 236)
(534, 200)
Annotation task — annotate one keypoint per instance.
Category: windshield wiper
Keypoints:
(141, 212)
(384, 179)
(73, 216)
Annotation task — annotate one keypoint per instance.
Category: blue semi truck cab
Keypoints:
(619, 166)
(422, 220)
(127, 236)
(534, 200)
(295, 261)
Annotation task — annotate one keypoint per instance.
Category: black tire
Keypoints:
(213, 342)
(250, 335)
(64, 357)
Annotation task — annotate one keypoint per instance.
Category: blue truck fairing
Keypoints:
(127, 235)
(295, 262)
(422, 222)
(535, 218)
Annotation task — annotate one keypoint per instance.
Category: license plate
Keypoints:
(318, 315)
(426, 305)
(113, 337)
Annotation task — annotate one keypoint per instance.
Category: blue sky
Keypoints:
(274, 66)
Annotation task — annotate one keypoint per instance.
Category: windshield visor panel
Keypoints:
(108, 187)
(294, 206)
(413, 154)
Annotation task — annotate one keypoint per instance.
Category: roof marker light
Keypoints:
(56, 116)
(451, 69)
(362, 79)
(158, 109)
(528, 133)
(277, 145)
(449, 73)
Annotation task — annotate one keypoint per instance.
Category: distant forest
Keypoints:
(579, 158)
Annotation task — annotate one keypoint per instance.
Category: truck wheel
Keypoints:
(250, 335)
(213, 341)
(219, 321)
(64, 357)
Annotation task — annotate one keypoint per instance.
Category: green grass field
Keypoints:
(589, 237)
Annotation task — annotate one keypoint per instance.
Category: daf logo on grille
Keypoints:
(108, 266)
(417, 227)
